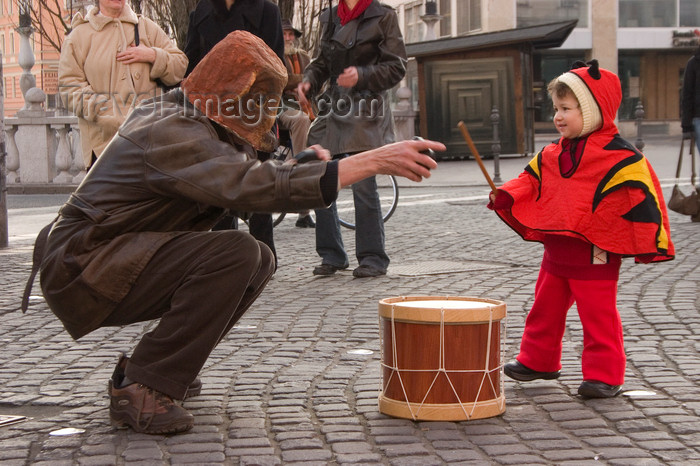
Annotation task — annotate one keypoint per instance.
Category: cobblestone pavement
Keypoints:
(286, 387)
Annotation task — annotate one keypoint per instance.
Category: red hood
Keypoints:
(606, 89)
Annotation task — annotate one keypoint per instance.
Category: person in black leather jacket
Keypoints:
(212, 20)
(690, 100)
(362, 57)
(209, 23)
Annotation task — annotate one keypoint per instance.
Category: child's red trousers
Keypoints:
(603, 357)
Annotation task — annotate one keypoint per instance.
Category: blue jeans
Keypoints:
(369, 231)
(696, 125)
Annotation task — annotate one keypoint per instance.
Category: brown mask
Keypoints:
(238, 84)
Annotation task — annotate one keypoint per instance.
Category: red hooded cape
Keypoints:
(610, 197)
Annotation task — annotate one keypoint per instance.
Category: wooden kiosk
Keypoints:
(465, 78)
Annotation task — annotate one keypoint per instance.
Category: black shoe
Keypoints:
(365, 271)
(596, 389)
(305, 222)
(326, 269)
(518, 371)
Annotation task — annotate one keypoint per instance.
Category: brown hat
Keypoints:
(238, 84)
(287, 26)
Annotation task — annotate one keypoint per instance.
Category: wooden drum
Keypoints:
(441, 357)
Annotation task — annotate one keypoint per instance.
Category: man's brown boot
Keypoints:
(146, 410)
(194, 389)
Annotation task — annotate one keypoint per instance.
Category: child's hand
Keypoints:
(500, 200)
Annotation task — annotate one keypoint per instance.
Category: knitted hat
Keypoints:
(592, 118)
(238, 84)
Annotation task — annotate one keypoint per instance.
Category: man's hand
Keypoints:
(315, 152)
(402, 158)
(303, 88)
(348, 78)
(140, 54)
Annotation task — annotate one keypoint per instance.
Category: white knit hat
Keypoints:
(590, 111)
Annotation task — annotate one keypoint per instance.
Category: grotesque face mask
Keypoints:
(238, 84)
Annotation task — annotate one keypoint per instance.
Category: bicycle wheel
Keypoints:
(282, 153)
(388, 190)
(277, 218)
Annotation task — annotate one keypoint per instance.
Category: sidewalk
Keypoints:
(661, 150)
(297, 380)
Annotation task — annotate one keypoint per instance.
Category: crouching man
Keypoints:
(133, 244)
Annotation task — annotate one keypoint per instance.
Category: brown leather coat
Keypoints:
(168, 171)
(357, 119)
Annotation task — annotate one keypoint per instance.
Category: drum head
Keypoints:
(447, 309)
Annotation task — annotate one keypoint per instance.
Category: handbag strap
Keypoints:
(680, 162)
(692, 161)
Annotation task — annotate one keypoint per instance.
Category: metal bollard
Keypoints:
(496, 146)
(639, 115)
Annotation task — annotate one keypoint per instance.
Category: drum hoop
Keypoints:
(391, 307)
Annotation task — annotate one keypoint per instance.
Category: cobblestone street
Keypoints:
(286, 387)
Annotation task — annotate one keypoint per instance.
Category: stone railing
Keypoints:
(44, 153)
(43, 150)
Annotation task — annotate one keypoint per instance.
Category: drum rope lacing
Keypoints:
(442, 369)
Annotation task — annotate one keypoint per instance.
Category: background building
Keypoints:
(46, 55)
(647, 42)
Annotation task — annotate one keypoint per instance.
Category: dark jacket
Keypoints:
(690, 100)
(209, 23)
(357, 119)
(169, 171)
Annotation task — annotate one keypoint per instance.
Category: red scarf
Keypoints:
(346, 14)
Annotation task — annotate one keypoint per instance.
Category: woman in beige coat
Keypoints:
(103, 74)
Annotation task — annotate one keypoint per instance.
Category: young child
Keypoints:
(591, 198)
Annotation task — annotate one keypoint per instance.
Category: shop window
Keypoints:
(629, 71)
(689, 13)
(532, 12)
(413, 25)
(446, 22)
(468, 16)
(546, 68)
(647, 13)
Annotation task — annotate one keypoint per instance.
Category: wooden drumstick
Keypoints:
(470, 143)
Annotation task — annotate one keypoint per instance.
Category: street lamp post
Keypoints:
(26, 55)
